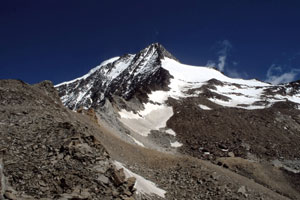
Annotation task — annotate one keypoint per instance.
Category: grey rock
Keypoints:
(103, 179)
(231, 154)
(2, 180)
(243, 191)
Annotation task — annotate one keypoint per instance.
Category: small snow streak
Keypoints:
(176, 144)
(142, 185)
(204, 107)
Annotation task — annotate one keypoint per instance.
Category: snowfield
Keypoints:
(153, 117)
(240, 91)
(197, 74)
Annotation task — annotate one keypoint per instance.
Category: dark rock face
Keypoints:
(50, 152)
(129, 76)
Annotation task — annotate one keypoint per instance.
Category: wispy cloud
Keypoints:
(222, 62)
(225, 46)
(275, 75)
(233, 73)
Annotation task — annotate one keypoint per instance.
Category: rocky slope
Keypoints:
(49, 152)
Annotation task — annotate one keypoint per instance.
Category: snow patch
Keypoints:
(204, 107)
(136, 141)
(142, 185)
(128, 114)
(158, 96)
(170, 132)
(176, 144)
(294, 98)
(153, 117)
(234, 103)
(279, 164)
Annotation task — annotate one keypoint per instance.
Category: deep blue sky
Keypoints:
(59, 40)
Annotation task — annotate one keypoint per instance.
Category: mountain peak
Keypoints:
(154, 68)
(161, 50)
(123, 76)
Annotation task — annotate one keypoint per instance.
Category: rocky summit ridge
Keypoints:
(123, 76)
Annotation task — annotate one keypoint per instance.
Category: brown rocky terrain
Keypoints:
(50, 152)
(264, 133)
(184, 177)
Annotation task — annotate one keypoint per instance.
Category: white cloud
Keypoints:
(223, 54)
(222, 62)
(276, 76)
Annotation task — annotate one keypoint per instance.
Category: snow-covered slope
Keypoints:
(198, 74)
(155, 69)
(237, 92)
(80, 91)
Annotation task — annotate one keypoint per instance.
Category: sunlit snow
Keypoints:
(170, 132)
(136, 141)
(176, 144)
(197, 74)
(204, 107)
(153, 117)
(142, 185)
